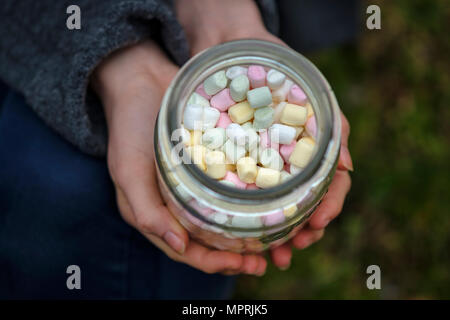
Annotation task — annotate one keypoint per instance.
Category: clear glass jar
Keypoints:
(204, 206)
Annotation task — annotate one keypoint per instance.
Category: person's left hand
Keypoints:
(208, 23)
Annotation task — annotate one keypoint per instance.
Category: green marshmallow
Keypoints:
(215, 82)
(239, 87)
(263, 118)
(259, 97)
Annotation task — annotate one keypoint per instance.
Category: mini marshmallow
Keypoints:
(247, 169)
(278, 110)
(263, 118)
(232, 177)
(265, 142)
(201, 91)
(297, 96)
(311, 127)
(294, 115)
(215, 164)
(239, 87)
(224, 120)
(215, 82)
(259, 97)
(298, 132)
(254, 154)
(286, 150)
(197, 117)
(275, 79)
(183, 193)
(247, 125)
(310, 109)
(282, 134)
(247, 221)
(294, 170)
(267, 178)
(290, 211)
(285, 176)
(219, 217)
(273, 218)
(252, 139)
(236, 71)
(222, 100)
(185, 136)
(270, 158)
(214, 138)
(198, 100)
(280, 94)
(241, 112)
(197, 154)
(228, 183)
(236, 134)
(252, 186)
(233, 152)
(257, 76)
(302, 152)
(196, 137)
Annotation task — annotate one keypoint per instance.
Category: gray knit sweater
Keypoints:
(50, 64)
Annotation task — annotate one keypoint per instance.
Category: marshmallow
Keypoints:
(214, 138)
(294, 170)
(267, 178)
(222, 100)
(270, 158)
(273, 218)
(197, 117)
(266, 142)
(259, 97)
(298, 132)
(183, 193)
(215, 82)
(252, 186)
(196, 137)
(294, 115)
(286, 150)
(233, 152)
(198, 100)
(201, 91)
(236, 134)
(280, 94)
(224, 120)
(252, 139)
(263, 118)
(311, 127)
(310, 109)
(254, 154)
(197, 154)
(282, 134)
(290, 211)
(257, 76)
(228, 183)
(302, 152)
(247, 221)
(241, 112)
(247, 125)
(219, 217)
(285, 176)
(236, 71)
(278, 110)
(239, 87)
(297, 96)
(185, 136)
(232, 177)
(275, 79)
(247, 169)
(215, 164)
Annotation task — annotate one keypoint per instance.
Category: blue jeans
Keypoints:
(58, 208)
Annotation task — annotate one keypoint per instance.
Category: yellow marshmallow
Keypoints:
(294, 115)
(215, 164)
(310, 109)
(196, 137)
(267, 178)
(289, 211)
(246, 169)
(241, 112)
(197, 153)
(302, 152)
(298, 132)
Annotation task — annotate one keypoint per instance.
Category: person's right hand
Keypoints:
(131, 83)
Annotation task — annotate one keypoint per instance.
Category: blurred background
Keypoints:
(394, 86)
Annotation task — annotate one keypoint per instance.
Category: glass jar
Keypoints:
(268, 217)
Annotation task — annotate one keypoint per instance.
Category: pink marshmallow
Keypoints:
(273, 218)
(257, 76)
(252, 186)
(286, 150)
(200, 209)
(297, 96)
(311, 127)
(222, 100)
(265, 142)
(232, 177)
(224, 120)
(202, 92)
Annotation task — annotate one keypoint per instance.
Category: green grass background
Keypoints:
(394, 86)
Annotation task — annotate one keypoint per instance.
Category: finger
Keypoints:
(281, 256)
(345, 160)
(306, 237)
(253, 264)
(332, 202)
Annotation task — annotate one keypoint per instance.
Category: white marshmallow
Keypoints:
(197, 117)
(214, 138)
(215, 82)
(236, 134)
(270, 158)
(281, 93)
(236, 71)
(246, 222)
(199, 100)
(285, 176)
(294, 169)
(252, 140)
(233, 152)
(259, 97)
(275, 79)
(278, 110)
(239, 87)
(185, 136)
(228, 183)
(282, 134)
(219, 217)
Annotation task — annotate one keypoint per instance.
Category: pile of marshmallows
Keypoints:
(249, 128)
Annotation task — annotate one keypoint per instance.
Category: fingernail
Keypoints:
(326, 222)
(346, 158)
(174, 242)
(285, 267)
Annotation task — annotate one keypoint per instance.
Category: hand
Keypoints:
(131, 83)
(208, 23)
